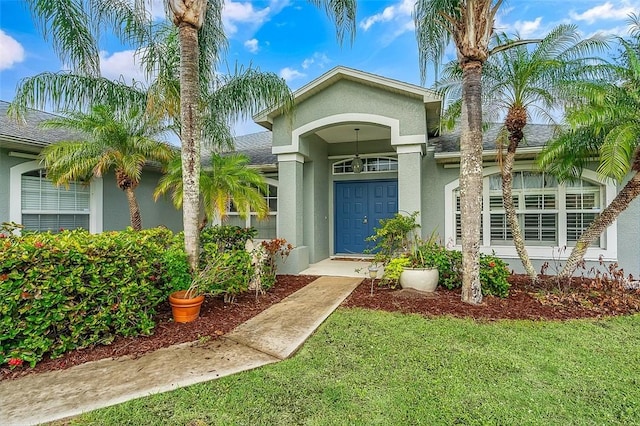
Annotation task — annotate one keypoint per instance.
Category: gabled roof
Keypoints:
(26, 133)
(447, 146)
(265, 118)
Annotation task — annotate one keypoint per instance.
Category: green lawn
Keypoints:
(364, 367)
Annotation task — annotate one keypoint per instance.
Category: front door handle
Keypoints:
(365, 220)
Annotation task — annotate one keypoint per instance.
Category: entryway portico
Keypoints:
(325, 208)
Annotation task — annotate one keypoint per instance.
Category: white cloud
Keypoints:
(252, 45)
(121, 65)
(604, 11)
(290, 74)
(619, 31)
(401, 10)
(534, 28)
(235, 14)
(527, 29)
(319, 59)
(11, 53)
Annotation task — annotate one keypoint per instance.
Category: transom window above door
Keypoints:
(369, 165)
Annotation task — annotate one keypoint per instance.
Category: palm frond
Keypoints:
(343, 14)
(67, 91)
(67, 23)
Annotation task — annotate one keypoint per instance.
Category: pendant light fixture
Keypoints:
(356, 163)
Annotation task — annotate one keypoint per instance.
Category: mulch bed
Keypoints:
(547, 300)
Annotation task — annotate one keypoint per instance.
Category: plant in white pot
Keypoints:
(421, 270)
(405, 257)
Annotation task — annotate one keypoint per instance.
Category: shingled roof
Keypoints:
(257, 146)
(535, 136)
(28, 131)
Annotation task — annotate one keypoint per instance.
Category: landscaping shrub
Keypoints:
(448, 263)
(228, 273)
(223, 249)
(393, 270)
(224, 238)
(272, 250)
(493, 276)
(493, 270)
(175, 265)
(74, 289)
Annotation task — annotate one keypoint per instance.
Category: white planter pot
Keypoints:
(421, 279)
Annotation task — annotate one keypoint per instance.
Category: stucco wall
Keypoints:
(434, 178)
(6, 163)
(629, 239)
(364, 147)
(316, 201)
(352, 97)
(116, 208)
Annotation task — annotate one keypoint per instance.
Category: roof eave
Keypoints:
(488, 155)
(265, 117)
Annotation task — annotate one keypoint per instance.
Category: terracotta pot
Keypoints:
(421, 279)
(185, 310)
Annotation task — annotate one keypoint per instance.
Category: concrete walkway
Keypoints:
(269, 337)
(342, 267)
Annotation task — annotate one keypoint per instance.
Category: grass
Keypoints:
(367, 368)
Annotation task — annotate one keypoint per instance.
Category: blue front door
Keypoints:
(359, 206)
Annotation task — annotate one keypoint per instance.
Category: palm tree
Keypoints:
(118, 142)
(526, 83)
(193, 17)
(201, 41)
(469, 24)
(605, 126)
(227, 179)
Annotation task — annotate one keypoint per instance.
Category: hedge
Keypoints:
(73, 289)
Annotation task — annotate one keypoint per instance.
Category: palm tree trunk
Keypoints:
(471, 181)
(515, 122)
(512, 217)
(134, 209)
(630, 191)
(190, 137)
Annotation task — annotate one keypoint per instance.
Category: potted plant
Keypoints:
(420, 271)
(185, 304)
(393, 238)
(406, 258)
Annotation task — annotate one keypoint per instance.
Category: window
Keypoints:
(550, 214)
(369, 165)
(535, 197)
(46, 207)
(266, 227)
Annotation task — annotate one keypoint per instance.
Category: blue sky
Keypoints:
(297, 41)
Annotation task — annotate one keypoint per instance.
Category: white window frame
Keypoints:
(365, 170)
(15, 195)
(609, 241)
(270, 182)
